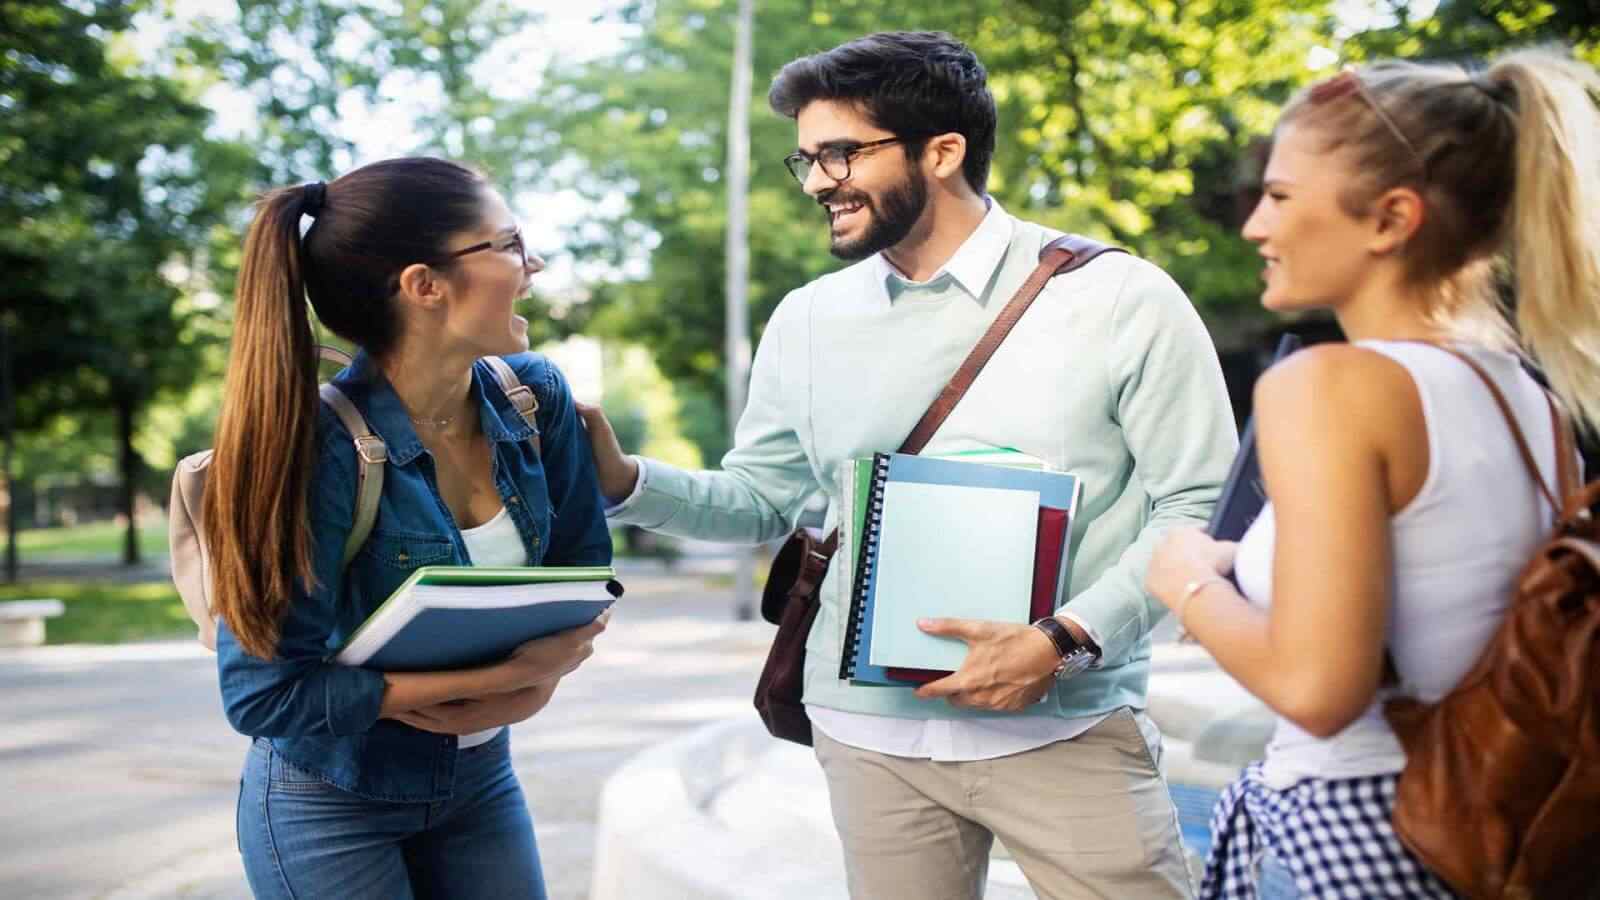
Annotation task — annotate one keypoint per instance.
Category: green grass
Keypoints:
(94, 540)
(107, 613)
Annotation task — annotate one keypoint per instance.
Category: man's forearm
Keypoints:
(730, 506)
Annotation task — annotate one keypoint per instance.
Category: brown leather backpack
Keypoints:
(1500, 795)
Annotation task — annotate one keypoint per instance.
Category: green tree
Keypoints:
(1121, 119)
(116, 191)
(1472, 30)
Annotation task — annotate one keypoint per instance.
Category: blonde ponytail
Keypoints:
(1555, 220)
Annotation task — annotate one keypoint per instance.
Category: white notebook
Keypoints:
(949, 551)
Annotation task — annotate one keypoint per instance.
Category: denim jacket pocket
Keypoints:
(389, 557)
(408, 550)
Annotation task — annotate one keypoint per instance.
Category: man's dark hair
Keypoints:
(915, 84)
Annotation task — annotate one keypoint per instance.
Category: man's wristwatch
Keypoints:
(1075, 656)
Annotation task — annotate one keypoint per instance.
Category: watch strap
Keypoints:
(1058, 634)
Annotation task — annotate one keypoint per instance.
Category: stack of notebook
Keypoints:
(973, 536)
(456, 617)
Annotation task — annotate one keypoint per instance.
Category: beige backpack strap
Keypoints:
(371, 455)
(520, 395)
(333, 355)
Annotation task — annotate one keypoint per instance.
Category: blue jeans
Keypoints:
(303, 838)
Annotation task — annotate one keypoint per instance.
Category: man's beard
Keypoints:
(886, 226)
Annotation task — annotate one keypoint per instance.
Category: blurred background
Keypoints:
(134, 135)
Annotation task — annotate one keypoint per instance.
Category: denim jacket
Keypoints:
(323, 717)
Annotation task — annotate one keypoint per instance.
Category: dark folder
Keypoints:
(1243, 495)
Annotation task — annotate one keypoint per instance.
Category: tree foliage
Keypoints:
(1121, 119)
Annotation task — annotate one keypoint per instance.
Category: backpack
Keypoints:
(1500, 794)
(191, 563)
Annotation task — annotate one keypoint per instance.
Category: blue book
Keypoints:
(1058, 490)
(458, 617)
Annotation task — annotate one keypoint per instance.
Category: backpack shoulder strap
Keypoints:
(520, 395)
(1563, 462)
(371, 455)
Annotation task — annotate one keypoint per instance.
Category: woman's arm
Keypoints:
(1340, 435)
(528, 671)
(299, 691)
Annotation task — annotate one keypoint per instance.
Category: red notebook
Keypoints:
(1052, 543)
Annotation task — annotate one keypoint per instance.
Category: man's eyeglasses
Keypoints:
(511, 243)
(835, 160)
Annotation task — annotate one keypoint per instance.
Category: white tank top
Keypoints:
(1458, 546)
(494, 543)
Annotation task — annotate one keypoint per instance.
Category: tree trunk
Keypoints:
(8, 417)
(738, 263)
(129, 461)
(11, 513)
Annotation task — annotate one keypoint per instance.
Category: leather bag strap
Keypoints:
(1566, 477)
(1062, 255)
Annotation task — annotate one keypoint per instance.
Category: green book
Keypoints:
(457, 617)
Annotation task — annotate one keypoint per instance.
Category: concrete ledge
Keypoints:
(22, 621)
(727, 812)
(659, 837)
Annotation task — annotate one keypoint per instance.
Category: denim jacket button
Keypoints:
(516, 500)
(403, 557)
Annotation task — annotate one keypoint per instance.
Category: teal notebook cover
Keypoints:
(456, 617)
(1060, 490)
(948, 551)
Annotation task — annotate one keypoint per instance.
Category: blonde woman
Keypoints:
(1399, 510)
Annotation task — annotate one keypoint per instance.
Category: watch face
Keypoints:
(1075, 662)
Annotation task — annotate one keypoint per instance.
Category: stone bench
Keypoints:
(22, 621)
(727, 813)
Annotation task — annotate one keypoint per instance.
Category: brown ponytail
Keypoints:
(254, 511)
(369, 225)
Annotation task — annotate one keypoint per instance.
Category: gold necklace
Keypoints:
(434, 424)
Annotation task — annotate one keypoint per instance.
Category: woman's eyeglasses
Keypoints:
(1349, 80)
(509, 243)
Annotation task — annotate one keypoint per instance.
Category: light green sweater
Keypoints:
(1110, 375)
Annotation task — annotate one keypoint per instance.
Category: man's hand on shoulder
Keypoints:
(617, 471)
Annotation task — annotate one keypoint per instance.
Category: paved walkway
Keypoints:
(120, 774)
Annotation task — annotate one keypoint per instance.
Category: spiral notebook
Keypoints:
(962, 541)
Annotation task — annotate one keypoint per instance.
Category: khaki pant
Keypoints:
(1089, 817)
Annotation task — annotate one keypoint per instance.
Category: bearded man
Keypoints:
(1109, 375)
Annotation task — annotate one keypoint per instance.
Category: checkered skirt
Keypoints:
(1333, 835)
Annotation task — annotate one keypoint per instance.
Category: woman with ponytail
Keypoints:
(1399, 510)
(359, 783)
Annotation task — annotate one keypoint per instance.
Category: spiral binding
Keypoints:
(865, 560)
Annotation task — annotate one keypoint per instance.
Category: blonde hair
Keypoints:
(1507, 162)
